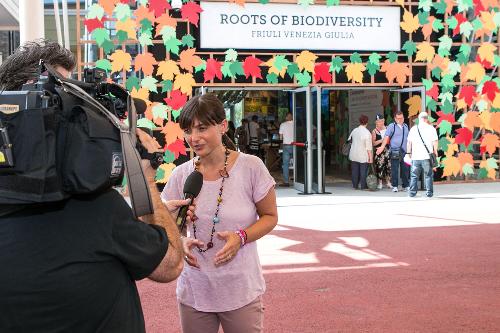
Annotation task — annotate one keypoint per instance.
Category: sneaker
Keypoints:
(429, 195)
(411, 195)
(407, 189)
(379, 186)
(394, 189)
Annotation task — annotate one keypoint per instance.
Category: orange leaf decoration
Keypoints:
(145, 62)
(495, 121)
(427, 28)
(172, 132)
(165, 20)
(472, 120)
(490, 143)
(108, 5)
(451, 166)
(142, 13)
(465, 158)
(167, 69)
(120, 60)
(396, 70)
(188, 59)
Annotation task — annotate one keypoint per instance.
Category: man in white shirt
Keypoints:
(361, 154)
(422, 140)
(286, 135)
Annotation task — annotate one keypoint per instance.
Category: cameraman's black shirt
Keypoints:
(71, 266)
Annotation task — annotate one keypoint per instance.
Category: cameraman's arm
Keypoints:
(172, 264)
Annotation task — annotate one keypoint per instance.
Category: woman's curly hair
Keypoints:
(22, 65)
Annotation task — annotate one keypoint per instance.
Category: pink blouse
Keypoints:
(238, 282)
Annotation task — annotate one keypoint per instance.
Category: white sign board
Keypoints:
(293, 27)
(367, 102)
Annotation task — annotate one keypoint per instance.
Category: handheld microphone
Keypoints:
(192, 188)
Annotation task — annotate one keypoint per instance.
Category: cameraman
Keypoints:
(71, 266)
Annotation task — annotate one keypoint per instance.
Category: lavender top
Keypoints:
(238, 282)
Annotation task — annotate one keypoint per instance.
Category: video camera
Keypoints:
(61, 137)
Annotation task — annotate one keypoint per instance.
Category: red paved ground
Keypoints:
(452, 284)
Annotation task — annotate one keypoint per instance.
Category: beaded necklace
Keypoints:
(215, 220)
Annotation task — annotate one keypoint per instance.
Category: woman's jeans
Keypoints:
(287, 155)
(417, 167)
(359, 171)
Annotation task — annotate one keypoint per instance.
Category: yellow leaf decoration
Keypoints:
(128, 26)
(410, 23)
(475, 72)
(451, 166)
(425, 52)
(167, 168)
(184, 82)
(487, 52)
(355, 72)
(414, 105)
(273, 69)
(485, 117)
(452, 147)
(305, 60)
(167, 69)
(120, 60)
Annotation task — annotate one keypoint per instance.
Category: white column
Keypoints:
(31, 20)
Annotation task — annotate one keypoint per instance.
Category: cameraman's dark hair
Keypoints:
(22, 65)
(208, 110)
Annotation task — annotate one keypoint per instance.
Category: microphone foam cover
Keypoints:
(193, 183)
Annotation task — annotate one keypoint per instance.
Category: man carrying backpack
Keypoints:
(396, 136)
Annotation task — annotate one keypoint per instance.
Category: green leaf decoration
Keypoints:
(281, 62)
(188, 40)
(176, 114)
(492, 163)
(226, 69)
(122, 11)
(108, 46)
(444, 127)
(447, 107)
(440, 6)
(466, 29)
(447, 82)
(293, 69)
(100, 35)
(201, 67)
(133, 82)
(425, 5)
(305, 3)
(482, 174)
(468, 169)
(423, 18)
(145, 39)
(437, 25)
(332, 2)
(336, 65)
(95, 11)
(172, 45)
(496, 19)
(410, 48)
(372, 68)
(264, 2)
(146, 123)
(436, 73)
(231, 55)
(166, 86)
(374, 58)
(454, 68)
(160, 174)
(142, 2)
(355, 58)
(146, 25)
(496, 62)
(392, 57)
(272, 78)
(444, 46)
(452, 22)
(122, 36)
(168, 157)
(431, 104)
(443, 144)
(428, 84)
(160, 111)
(477, 24)
(237, 68)
(149, 83)
(103, 64)
(167, 33)
(303, 79)
(482, 105)
(464, 5)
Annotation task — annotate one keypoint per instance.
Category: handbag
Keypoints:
(371, 179)
(432, 156)
(346, 147)
(397, 154)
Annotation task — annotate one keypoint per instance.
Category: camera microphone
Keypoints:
(192, 188)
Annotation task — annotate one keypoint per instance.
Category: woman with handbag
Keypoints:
(361, 153)
(382, 162)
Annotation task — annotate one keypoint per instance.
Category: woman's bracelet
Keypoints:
(243, 236)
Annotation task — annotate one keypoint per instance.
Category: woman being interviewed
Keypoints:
(223, 282)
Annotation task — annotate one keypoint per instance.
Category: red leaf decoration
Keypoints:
(433, 92)
(176, 100)
(322, 72)
(486, 64)
(460, 19)
(478, 7)
(449, 117)
(464, 135)
(468, 93)
(191, 12)
(490, 88)
(159, 7)
(93, 24)
(251, 67)
(213, 70)
(178, 148)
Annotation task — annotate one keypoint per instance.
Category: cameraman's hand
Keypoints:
(148, 141)
(174, 205)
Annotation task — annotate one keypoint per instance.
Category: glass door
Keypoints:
(318, 177)
(302, 150)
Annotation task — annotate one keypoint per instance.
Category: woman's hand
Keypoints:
(230, 249)
(174, 205)
(188, 244)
